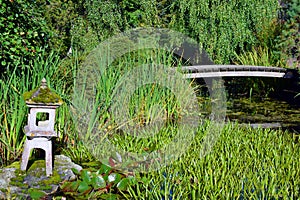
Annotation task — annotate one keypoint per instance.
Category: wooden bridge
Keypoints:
(205, 71)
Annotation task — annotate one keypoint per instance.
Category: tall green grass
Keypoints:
(150, 103)
(258, 56)
(14, 111)
(245, 164)
(61, 77)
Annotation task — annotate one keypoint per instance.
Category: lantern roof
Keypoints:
(42, 96)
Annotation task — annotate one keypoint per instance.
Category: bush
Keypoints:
(23, 32)
(288, 44)
(28, 27)
(221, 27)
(224, 27)
(60, 16)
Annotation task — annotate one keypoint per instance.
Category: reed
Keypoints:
(14, 110)
(245, 164)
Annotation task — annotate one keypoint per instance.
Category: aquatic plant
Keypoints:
(104, 183)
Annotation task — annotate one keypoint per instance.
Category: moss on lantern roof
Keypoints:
(42, 95)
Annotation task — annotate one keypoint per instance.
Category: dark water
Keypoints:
(269, 101)
(274, 101)
(264, 111)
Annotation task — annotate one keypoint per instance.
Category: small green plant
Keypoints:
(258, 56)
(36, 194)
(104, 183)
(75, 149)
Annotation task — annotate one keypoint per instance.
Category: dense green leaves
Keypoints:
(23, 32)
(94, 184)
(123, 184)
(36, 194)
(223, 28)
(288, 42)
(60, 16)
(98, 182)
(245, 164)
(84, 187)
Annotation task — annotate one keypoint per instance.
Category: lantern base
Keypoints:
(40, 143)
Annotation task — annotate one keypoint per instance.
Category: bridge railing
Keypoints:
(221, 68)
(203, 71)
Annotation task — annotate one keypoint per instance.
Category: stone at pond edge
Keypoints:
(15, 183)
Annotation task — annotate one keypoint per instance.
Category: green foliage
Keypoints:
(60, 16)
(100, 20)
(278, 40)
(245, 164)
(259, 56)
(288, 42)
(150, 103)
(97, 184)
(12, 105)
(223, 27)
(12, 120)
(73, 147)
(28, 27)
(23, 32)
(106, 18)
(36, 194)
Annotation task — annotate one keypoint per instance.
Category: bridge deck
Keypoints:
(204, 71)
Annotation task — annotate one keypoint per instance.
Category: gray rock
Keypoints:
(15, 183)
(5, 176)
(63, 165)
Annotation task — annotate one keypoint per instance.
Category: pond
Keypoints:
(266, 102)
(269, 111)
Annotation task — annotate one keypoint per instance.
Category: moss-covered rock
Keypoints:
(15, 183)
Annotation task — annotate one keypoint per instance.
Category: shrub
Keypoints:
(60, 16)
(23, 32)
(288, 45)
(221, 27)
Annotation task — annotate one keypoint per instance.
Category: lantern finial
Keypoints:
(44, 83)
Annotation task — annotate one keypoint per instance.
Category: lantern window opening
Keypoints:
(42, 118)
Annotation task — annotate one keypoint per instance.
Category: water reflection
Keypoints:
(279, 107)
(263, 110)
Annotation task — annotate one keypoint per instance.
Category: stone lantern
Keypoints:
(42, 103)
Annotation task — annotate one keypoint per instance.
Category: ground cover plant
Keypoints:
(245, 164)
